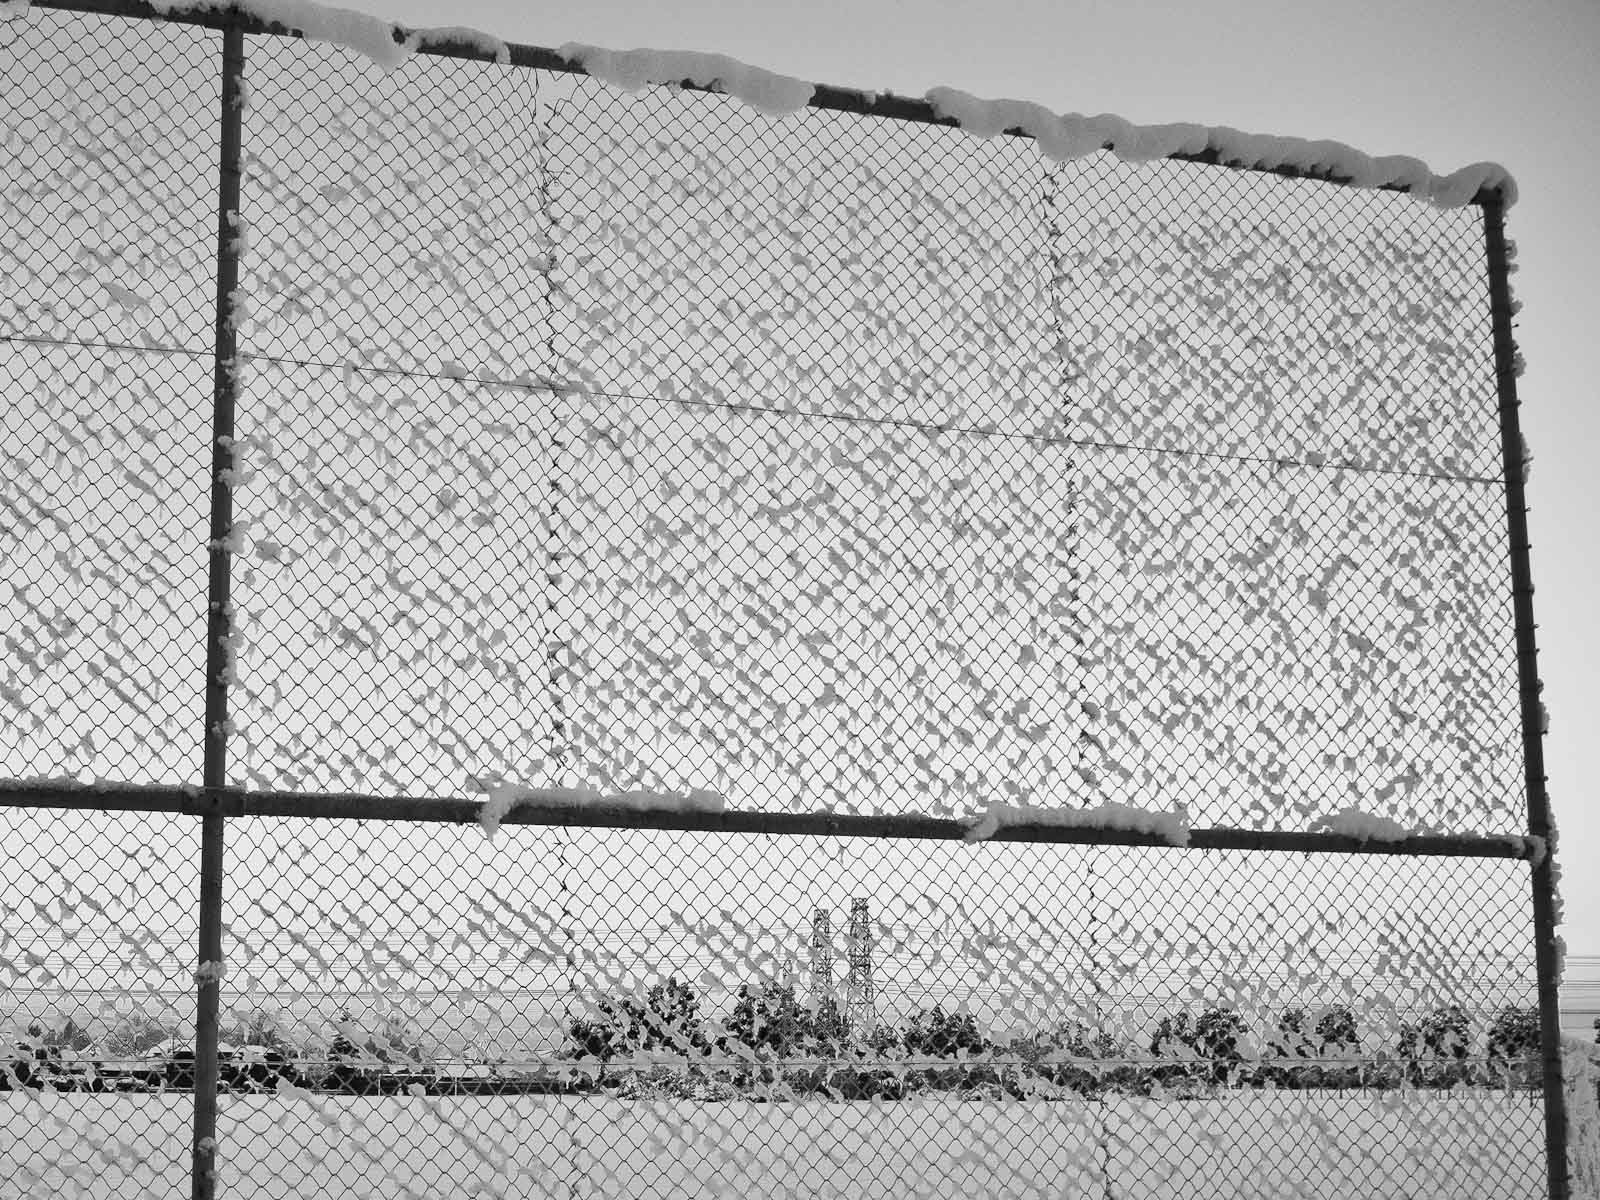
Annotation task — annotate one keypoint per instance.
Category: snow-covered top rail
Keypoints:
(1059, 136)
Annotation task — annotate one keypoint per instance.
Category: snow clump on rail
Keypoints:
(384, 42)
(1171, 827)
(1061, 137)
(1352, 822)
(503, 797)
(630, 70)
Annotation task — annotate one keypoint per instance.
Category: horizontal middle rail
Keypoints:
(553, 810)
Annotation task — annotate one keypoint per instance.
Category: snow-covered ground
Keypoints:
(1248, 1144)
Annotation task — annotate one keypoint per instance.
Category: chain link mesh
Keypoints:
(642, 446)
(108, 251)
(96, 961)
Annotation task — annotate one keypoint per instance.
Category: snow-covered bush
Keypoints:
(675, 1083)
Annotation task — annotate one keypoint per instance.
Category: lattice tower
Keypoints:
(821, 956)
(860, 999)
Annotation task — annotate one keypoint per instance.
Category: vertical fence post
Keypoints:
(219, 666)
(1547, 959)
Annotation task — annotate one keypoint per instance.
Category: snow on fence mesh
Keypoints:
(638, 471)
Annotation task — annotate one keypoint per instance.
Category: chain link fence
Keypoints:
(792, 656)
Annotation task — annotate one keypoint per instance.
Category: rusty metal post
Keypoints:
(1547, 955)
(219, 666)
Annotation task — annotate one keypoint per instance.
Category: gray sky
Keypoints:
(1449, 82)
(1382, 83)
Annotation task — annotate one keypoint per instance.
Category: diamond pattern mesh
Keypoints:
(107, 252)
(478, 960)
(97, 928)
(639, 445)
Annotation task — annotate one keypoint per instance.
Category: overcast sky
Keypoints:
(1446, 81)
(1440, 82)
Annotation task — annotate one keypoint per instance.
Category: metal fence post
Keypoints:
(1546, 948)
(218, 623)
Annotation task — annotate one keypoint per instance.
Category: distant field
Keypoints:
(1249, 1144)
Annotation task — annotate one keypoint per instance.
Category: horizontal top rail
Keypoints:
(824, 96)
(240, 802)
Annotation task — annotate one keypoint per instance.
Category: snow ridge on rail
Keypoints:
(503, 797)
(1059, 136)
(630, 70)
(1171, 827)
(384, 42)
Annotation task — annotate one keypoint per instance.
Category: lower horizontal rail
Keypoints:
(238, 802)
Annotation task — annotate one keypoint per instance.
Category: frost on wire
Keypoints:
(680, 453)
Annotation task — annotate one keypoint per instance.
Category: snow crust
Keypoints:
(311, 1144)
(630, 70)
(1551, 844)
(1581, 1082)
(503, 797)
(13, 8)
(384, 42)
(1558, 903)
(1066, 136)
(1172, 827)
(1352, 822)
